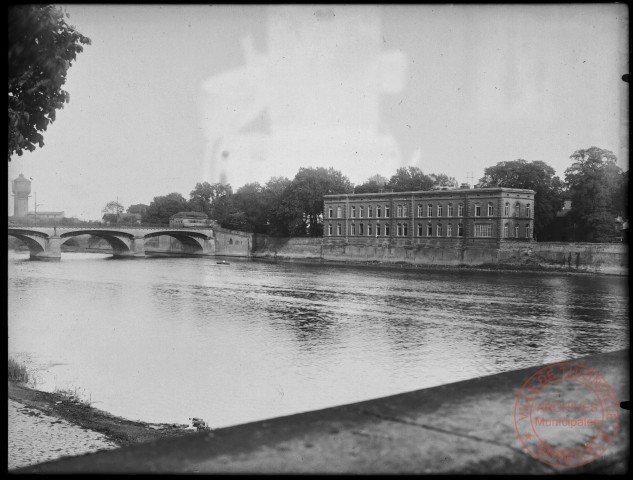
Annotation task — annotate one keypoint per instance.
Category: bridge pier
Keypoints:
(52, 250)
(136, 249)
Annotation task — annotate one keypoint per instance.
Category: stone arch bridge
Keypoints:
(45, 242)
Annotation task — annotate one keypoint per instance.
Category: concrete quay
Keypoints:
(464, 427)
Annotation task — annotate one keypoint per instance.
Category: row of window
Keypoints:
(482, 230)
(402, 210)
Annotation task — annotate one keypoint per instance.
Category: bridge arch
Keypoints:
(35, 243)
(192, 242)
(116, 240)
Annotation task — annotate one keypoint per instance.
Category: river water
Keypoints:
(166, 339)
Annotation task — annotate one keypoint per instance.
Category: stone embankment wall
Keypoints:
(612, 258)
(588, 257)
(232, 243)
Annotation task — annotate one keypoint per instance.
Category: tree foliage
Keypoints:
(114, 208)
(163, 207)
(537, 176)
(42, 47)
(307, 191)
(595, 184)
(281, 214)
(410, 179)
(374, 184)
(443, 180)
(250, 200)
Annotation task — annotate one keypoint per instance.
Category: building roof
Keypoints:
(189, 215)
(434, 193)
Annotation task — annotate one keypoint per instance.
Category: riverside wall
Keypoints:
(465, 427)
(584, 257)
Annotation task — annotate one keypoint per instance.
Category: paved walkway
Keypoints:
(35, 437)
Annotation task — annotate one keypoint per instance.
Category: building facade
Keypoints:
(437, 216)
(45, 216)
(189, 219)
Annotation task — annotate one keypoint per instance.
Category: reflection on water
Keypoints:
(165, 339)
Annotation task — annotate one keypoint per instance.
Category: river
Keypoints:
(166, 339)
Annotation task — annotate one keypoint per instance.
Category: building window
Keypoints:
(361, 211)
(460, 230)
(420, 230)
(483, 230)
(353, 228)
(378, 229)
(369, 229)
(378, 211)
(338, 229)
(399, 210)
(360, 229)
(506, 231)
(460, 210)
(329, 212)
(491, 210)
(338, 212)
(329, 229)
(439, 230)
(439, 210)
(420, 210)
(399, 230)
(516, 231)
(405, 229)
(370, 211)
(517, 210)
(527, 210)
(449, 230)
(429, 210)
(506, 211)
(450, 212)
(353, 212)
(387, 230)
(429, 230)
(477, 210)
(527, 231)
(387, 211)
(405, 211)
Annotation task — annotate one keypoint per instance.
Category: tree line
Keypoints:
(595, 185)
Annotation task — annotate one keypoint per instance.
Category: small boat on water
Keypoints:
(223, 262)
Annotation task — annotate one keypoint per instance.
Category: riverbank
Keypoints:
(120, 431)
(462, 427)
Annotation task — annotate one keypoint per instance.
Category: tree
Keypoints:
(374, 184)
(113, 207)
(163, 207)
(594, 181)
(306, 194)
(250, 200)
(443, 180)
(410, 179)
(537, 176)
(42, 48)
(281, 213)
(139, 208)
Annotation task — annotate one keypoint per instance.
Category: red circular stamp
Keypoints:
(566, 415)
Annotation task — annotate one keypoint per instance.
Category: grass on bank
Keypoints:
(74, 396)
(18, 371)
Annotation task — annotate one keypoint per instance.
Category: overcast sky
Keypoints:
(168, 96)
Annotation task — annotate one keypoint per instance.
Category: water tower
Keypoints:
(21, 189)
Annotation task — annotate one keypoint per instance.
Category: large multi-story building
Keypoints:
(447, 216)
